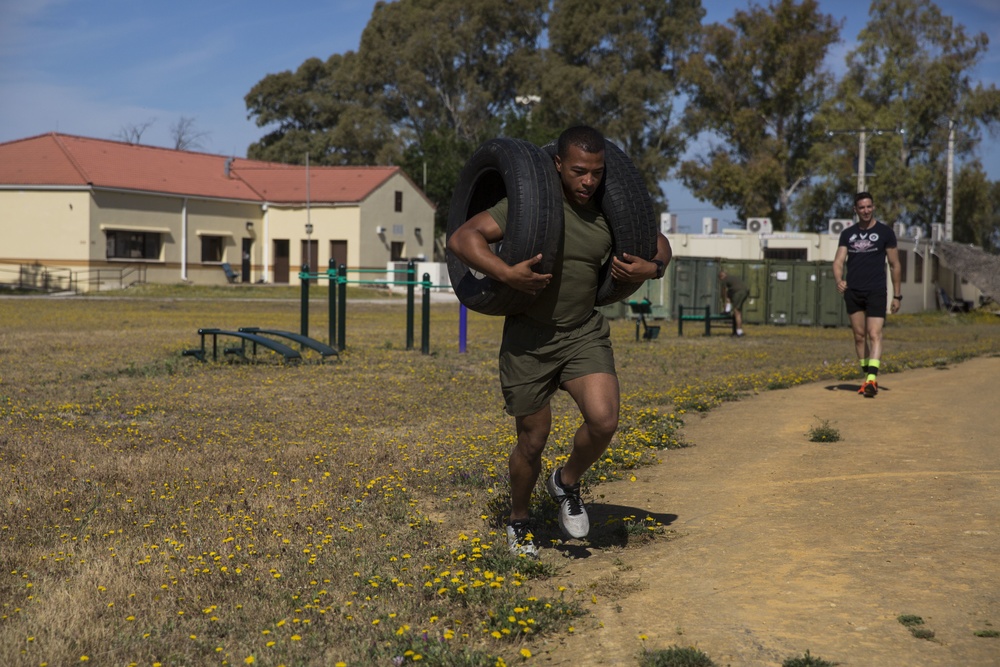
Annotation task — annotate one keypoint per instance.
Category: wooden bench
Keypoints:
(305, 341)
(704, 315)
(200, 353)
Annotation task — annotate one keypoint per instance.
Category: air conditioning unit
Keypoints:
(899, 229)
(837, 225)
(380, 230)
(917, 232)
(937, 231)
(759, 225)
(668, 223)
(709, 225)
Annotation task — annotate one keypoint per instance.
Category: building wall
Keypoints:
(330, 223)
(45, 226)
(68, 228)
(379, 210)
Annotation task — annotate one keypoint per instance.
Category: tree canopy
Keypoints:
(756, 84)
(432, 79)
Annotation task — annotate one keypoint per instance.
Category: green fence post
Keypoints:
(331, 282)
(411, 279)
(342, 307)
(425, 328)
(304, 278)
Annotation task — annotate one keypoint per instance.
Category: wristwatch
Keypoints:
(898, 297)
(660, 268)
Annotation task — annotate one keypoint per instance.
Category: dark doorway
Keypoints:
(338, 253)
(281, 260)
(309, 252)
(245, 267)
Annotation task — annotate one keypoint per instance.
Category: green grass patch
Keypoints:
(823, 432)
(915, 624)
(675, 656)
(807, 660)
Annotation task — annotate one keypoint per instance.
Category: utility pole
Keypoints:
(862, 148)
(950, 195)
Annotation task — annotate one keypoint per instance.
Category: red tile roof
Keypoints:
(65, 160)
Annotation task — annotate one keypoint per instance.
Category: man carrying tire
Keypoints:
(560, 341)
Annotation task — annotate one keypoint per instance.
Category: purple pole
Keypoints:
(463, 327)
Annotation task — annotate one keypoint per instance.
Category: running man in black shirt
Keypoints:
(864, 248)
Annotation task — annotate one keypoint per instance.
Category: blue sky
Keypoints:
(92, 67)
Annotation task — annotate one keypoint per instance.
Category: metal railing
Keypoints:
(51, 279)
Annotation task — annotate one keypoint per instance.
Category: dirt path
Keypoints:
(786, 545)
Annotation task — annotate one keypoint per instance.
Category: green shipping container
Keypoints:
(830, 310)
(754, 274)
(695, 283)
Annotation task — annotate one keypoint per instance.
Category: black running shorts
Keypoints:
(873, 302)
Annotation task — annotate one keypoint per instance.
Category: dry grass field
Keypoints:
(158, 510)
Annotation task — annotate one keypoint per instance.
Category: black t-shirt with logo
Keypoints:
(866, 255)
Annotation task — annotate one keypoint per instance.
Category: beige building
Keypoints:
(84, 214)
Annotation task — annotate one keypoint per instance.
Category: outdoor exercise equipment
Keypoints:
(244, 337)
(703, 314)
(337, 275)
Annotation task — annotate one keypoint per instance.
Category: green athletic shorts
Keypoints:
(535, 360)
(738, 298)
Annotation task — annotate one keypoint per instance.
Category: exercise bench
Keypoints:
(305, 341)
(200, 353)
(704, 314)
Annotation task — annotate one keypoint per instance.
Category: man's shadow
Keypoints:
(852, 387)
(614, 526)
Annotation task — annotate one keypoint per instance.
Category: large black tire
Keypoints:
(625, 202)
(524, 174)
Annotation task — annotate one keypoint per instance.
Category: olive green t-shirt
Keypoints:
(571, 295)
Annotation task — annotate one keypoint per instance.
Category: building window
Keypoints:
(211, 248)
(902, 266)
(396, 251)
(133, 245)
(918, 268)
(399, 201)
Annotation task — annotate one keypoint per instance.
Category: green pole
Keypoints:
(411, 279)
(425, 333)
(342, 307)
(304, 278)
(331, 327)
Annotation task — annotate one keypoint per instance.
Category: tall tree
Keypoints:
(977, 208)
(911, 71)
(453, 64)
(756, 85)
(131, 133)
(325, 109)
(186, 135)
(615, 64)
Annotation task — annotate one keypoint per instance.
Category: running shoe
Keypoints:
(572, 515)
(871, 388)
(520, 540)
(861, 390)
